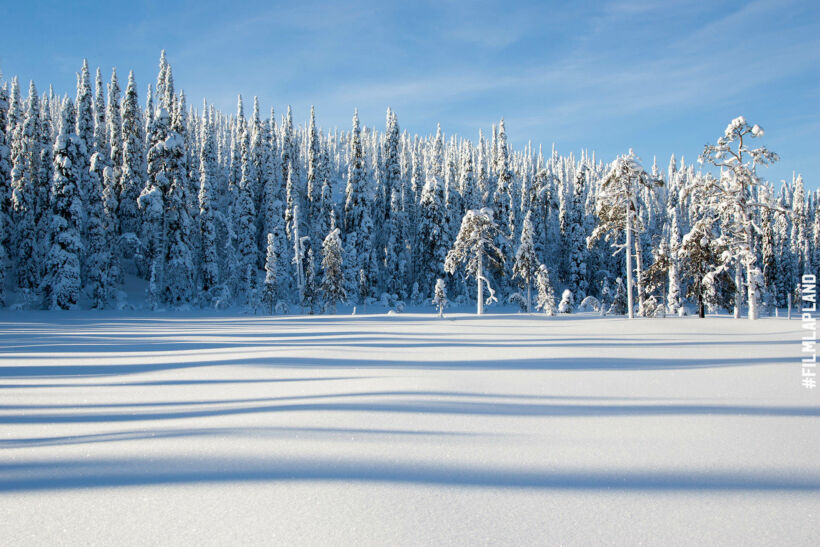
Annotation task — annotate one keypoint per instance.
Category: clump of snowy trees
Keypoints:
(214, 209)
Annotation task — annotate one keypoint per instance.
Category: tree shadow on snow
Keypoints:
(107, 473)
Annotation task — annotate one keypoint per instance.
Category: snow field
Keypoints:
(406, 429)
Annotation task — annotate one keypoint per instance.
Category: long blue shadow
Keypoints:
(107, 473)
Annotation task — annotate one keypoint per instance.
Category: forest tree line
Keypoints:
(217, 210)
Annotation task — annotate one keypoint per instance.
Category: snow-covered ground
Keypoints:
(385, 430)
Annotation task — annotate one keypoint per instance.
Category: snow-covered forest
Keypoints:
(249, 209)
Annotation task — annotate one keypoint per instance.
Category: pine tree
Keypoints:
(473, 245)
(61, 286)
(699, 256)
(617, 209)
(526, 262)
(333, 284)
(732, 197)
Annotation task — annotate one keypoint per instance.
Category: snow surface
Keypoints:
(404, 429)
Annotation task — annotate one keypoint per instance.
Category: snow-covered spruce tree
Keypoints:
(321, 224)
(768, 258)
(245, 214)
(101, 274)
(300, 247)
(85, 130)
(42, 216)
(209, 257)
(576, 237)
(269, 287)
(616, 207)
(61, 286)
(673, 297)
(100, 124)
(475, 245)
(333, 283)
(310, 294)
(546, 295)
(357, 222)
(151, 204)
(526, 262)
(503, 212)
(178, 289)
(266, 169)
(470, 192)
(656, 280)
(620, 301)
(391, 172)
(290, 151)
(392, 266)
(314, 184)
(133, 165)
(15, 110)
(3, 261)
(431, 250)
(567, 304)
(732, 196)
(786, 269)
(113, 121)
(799, 241)
(25, 182)
(440, 296)
(5, 185)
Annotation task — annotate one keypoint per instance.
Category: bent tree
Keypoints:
(473, 245)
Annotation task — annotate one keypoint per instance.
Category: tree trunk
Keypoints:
(479, 279)
(738, 289)
(754, 313)
(701, 313)
(629, 304)
(639, 274)
(750, 277)
(529, 295)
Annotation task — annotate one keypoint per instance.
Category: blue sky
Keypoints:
(660, 77)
